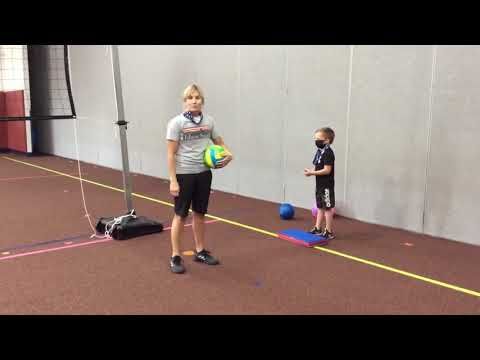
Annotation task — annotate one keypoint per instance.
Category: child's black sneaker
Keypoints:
(328, 235)
(316, 231)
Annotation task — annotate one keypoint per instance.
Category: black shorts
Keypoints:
(325, 197)
(195, 191)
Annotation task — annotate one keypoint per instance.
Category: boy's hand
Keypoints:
(307, 172)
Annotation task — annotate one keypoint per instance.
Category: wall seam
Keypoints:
(429, 134)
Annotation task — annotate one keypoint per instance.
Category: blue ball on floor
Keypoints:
(286, 211)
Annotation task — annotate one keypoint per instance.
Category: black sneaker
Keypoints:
(205, 257)
(176, 265)
(328, 235)
(316, 231)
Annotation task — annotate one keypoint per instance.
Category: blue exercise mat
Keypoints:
(302, 237)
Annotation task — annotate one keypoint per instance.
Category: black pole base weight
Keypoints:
(128, 226)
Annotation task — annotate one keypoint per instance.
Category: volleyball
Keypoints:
(213, 154)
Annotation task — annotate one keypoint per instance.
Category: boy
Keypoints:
(324, 173)
(188, 135)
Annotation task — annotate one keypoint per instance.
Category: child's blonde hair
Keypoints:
(329, 133)
(192, 88)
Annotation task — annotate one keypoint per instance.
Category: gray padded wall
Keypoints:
(261, 111)
(317, 92)
(388, 131)
(453, 195)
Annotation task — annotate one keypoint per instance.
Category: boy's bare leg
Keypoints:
(329, 220)
(320, 216)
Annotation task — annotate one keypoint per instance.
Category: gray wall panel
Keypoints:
(453, 198)
(316, 97)
(389, 116)
(261, 110)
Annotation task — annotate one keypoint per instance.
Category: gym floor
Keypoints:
(50, 265)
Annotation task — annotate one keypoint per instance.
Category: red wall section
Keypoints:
(14, 103)
(3, 124)
(14, 106)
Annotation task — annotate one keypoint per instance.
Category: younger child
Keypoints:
(324, 173)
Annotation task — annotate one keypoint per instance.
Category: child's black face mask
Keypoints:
(320, 144)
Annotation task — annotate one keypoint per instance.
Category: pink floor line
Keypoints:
(54, 249)
(33, 177)
(75, 245)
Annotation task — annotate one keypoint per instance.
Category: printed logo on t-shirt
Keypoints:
(194, 133)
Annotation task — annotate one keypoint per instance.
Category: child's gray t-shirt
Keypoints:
(192, 139)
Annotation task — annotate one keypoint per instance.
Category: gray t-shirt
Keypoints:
(192, 140)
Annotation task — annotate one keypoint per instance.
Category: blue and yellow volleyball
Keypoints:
(213, 154)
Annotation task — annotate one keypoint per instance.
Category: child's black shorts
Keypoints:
(195, 191)
(325, 197)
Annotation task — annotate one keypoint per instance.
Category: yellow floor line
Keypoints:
(367, 262)
(401, 272)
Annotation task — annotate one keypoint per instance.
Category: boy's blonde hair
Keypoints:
(192, 88)
(329, 133)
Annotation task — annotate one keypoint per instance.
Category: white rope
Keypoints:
(87, 215)
(75, 131)
(111, 225)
